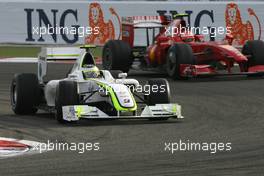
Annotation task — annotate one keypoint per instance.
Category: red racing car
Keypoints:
(182, 54)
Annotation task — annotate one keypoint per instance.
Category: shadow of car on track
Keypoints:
(220, 79)
(210, 78)
(119, 122)
(46, 119)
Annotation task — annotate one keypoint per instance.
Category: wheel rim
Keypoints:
(107, 59)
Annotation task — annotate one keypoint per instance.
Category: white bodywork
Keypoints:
(122, 92)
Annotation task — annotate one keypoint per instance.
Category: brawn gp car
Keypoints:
(88, 92)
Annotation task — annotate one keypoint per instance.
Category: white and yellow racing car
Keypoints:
(89, 93)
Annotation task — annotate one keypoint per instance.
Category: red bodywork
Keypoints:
(205, 52)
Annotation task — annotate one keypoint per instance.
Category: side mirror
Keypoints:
(122, 75)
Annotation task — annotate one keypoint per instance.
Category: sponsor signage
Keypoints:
(97, 22)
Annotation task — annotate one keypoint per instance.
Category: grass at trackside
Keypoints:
(31, 51)
(16, 51)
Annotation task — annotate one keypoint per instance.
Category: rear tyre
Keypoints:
(66, 94)
(177, 54)
(25, 94)
(116, 56)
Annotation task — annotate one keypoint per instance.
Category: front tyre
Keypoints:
(254, 49)
(179, 53)
(162, 96)
(25, 94)
(159, 92)
(66, 94)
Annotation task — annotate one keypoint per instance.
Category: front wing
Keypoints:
(76, 112)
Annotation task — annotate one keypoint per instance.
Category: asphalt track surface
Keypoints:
(223, 109)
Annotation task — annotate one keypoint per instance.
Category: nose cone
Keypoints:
(123, 95)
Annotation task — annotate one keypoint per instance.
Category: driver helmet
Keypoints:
(91, 72)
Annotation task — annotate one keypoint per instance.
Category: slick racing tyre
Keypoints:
(159, 92)
(25, 93)
(177, 54)
(116, 56)
(66, 94)
(255, 49)
(162, 96)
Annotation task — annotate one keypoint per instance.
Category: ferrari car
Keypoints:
(88, 92)
(180, 53)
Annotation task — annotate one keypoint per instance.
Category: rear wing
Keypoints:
(55, 54)
(129, 24)
(58, 54)
(145, 21)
